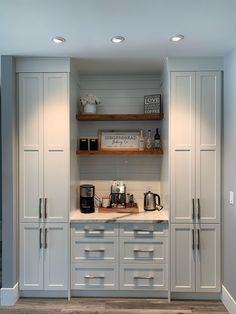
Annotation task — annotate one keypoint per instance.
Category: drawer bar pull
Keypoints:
(143, 250)
(93, 277)
(142, 230)
(94, 250)
(93, 230)
(143, 277)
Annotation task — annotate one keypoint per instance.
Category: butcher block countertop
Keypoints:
(142, 216)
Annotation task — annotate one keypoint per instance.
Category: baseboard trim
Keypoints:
(9, 296)
(228, 300)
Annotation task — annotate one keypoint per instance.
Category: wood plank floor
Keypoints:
(113, 306)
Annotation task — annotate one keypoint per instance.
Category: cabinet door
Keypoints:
(182, 258)
(31, 256)
(208, 258)
(182, 141)
(56, 256)
(208, 128)
(56, 154)
(30, 89)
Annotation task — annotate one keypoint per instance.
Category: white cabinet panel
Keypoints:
(143, 250)
(31, 256)
(94, 277)
(182, 186)
(182, 258)
(143, 277)
(94, 250)
(208, 258)
(94, 230)
(30, 145)
(183, 111)
(56, 256)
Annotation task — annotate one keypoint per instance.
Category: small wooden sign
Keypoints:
(152, 103)
(119, 139)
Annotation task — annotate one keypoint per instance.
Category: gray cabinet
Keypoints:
(119, 256)
(195, 258)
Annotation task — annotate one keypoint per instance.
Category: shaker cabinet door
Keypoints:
(30, 146)
(31, 256)
(56, 143)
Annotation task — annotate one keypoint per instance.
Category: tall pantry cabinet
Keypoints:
(43, 180)
(195, 125)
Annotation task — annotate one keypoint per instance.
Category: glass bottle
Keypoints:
(149, 140)
(157, 140)
(141, 141)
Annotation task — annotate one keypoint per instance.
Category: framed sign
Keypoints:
(119, 139)
(152, 103)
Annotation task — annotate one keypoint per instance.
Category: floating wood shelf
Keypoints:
(117, 117)
(119, 152)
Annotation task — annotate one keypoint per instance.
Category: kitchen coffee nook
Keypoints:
(119, 202)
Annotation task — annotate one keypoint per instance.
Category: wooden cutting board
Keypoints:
(133, 209)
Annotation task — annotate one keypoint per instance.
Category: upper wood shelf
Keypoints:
(117, 117)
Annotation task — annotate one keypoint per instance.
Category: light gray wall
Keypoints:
(229, 166)
(9, 173)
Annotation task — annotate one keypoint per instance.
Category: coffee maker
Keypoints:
(118, 195)
(87, 192)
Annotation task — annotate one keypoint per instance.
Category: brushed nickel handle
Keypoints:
(198, 239)
(143, 230)
(143, 277)
(193, 209)
(143, 250)
(45, 238)
(94, 230)
(193, 240)
(40, 238)
(199, 209)
(94, 250)
(40, 208)
(45, 208)
(93, 277)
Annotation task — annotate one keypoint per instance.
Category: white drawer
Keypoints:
(143, 250)
(93, 277)
(144, 230)
(143, 277)
(94, 250)
(94, 230)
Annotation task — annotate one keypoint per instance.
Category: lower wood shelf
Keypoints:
(120, 152)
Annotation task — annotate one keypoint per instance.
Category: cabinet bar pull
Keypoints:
(143, 250)
(45, 238)
(45, 208)
(143, 277)
(193, 240)
(198, 239)
(40, 208)
(143, 230)
(193, 210)
(93, 230)
(40, 238)
(199, 209)
(94, 250)
(93, 277)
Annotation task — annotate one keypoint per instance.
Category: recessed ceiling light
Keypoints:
(58, 40)
(177, 38)
(117, 39)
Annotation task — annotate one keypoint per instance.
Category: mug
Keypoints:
(105, 201)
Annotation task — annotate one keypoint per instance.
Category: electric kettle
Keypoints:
(152, 201)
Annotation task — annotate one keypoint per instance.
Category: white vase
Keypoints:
(90, 108)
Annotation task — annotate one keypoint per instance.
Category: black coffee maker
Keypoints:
(87, 192)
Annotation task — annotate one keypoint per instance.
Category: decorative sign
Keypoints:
(152, 103)
(119, 139)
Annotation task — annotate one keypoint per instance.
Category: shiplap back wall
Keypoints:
(120, 94)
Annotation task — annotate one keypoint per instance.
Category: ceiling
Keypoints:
(27, 26)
